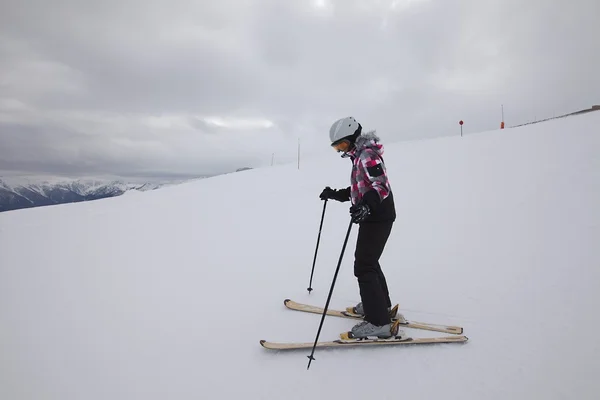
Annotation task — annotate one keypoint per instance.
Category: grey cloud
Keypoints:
(127, 86)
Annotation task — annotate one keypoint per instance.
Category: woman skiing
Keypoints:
(373, 209)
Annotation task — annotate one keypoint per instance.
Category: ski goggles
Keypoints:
(341, 145)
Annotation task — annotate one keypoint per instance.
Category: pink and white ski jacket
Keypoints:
(369, 181)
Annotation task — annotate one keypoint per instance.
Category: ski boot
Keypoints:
(366, 330)
(358, 311)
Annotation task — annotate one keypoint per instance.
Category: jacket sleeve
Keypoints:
(375, 172)
(342, 195)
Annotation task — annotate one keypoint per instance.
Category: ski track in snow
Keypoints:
(155, 296)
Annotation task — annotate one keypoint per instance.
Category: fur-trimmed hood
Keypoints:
(367, 140)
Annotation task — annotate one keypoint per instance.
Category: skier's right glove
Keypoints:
(340, 195)
(327, 193)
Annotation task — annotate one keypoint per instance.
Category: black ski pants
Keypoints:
(372, 237)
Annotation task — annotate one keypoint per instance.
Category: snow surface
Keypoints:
(155, 296)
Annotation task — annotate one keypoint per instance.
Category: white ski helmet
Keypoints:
(344, 128)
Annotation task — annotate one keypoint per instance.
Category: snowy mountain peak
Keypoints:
(25, 193)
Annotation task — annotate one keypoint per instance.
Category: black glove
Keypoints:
(340, 195)
(359, 213)
(327, 193)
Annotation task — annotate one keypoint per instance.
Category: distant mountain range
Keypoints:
(17, 193)
(26, 195)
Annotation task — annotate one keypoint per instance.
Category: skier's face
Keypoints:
(341, 146)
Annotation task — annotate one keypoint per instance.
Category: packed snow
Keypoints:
(155, 296)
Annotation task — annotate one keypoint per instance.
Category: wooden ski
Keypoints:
(365, 342)
(292, 305)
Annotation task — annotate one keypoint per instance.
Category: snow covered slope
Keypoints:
(155, 296)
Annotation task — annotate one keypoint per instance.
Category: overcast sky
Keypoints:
(157, 88)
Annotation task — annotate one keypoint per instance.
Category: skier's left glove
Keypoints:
(359, 213)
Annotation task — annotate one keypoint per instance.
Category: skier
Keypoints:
(373, 209)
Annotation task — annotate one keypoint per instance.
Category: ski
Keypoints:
(363, 342)
(292, 305)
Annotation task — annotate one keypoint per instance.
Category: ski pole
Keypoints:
(310, 358)
(317, 249)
